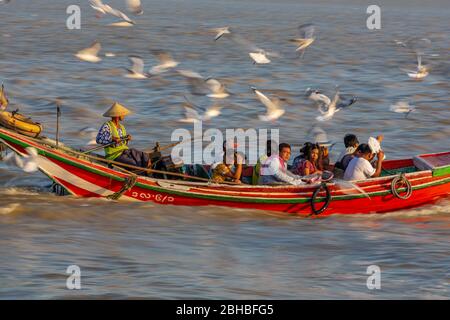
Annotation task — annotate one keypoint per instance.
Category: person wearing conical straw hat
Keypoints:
(321, 139)
(114, 137)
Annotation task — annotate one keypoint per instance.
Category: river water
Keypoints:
(152, 251)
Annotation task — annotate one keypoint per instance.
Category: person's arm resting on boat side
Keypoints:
(285, 177)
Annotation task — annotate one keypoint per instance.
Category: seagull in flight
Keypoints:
(331, 109)
(273, 107)
(402, 107)
(220, 32)
(196, 82)
(104, 9)
(400, 43)
(192, 115)
(332, 106)
(166, 62)
(421, 71)
(318, 97)
(218, 90)
(306, 37)
(137, 69)
(418, 46)
(209, 87)
(120, 24)
(259, 57)
(90, 54)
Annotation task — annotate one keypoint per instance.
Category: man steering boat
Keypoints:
(113, 136)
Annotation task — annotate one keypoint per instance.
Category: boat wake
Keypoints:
(23, 190)
(9, 209)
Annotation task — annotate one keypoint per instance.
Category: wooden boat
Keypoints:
(20, 123)
(405, 183)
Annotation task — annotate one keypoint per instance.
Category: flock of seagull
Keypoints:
(213, 88)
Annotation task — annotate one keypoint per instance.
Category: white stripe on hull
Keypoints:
(53, 170)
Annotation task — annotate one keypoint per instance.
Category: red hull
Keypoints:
(87, 179)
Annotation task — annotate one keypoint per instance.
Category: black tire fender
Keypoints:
(316, 192)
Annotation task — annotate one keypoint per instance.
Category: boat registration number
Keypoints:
(161, 198)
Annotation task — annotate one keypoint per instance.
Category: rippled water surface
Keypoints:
(151, 251)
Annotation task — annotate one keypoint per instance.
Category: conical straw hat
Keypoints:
(116, 110)
(321, 137)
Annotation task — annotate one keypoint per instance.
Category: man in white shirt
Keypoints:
(360, 168)
(274, 169)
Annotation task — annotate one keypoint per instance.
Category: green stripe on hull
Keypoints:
(442, 171)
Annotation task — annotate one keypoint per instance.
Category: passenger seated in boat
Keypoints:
(247, 171)
(257, 168)
(309, 162)
(324, 159)
(114, 137)
(226, 171)
(274, 169)
(346, 160)
(351, 143)
(297, 163)
(360, 167)
(323, 163)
